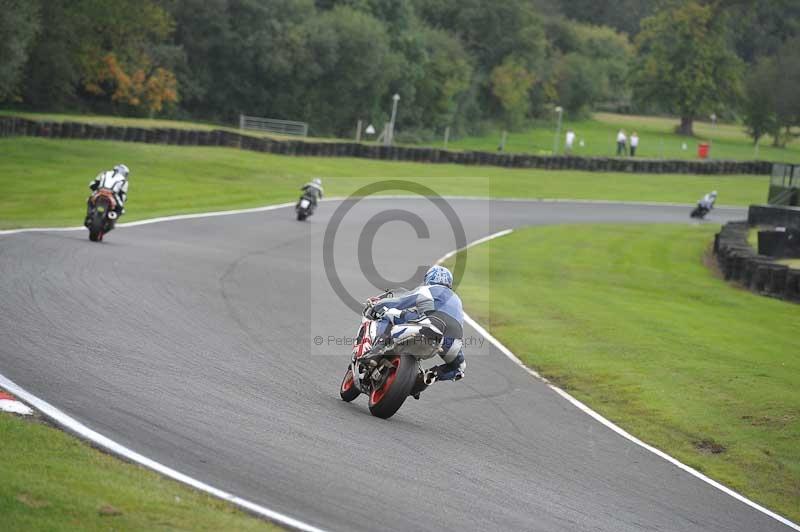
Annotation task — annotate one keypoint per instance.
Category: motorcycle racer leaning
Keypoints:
(115, 180)
(313, 190)
(434, 298)
(707, 201)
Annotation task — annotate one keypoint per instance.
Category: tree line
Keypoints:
(457, 63)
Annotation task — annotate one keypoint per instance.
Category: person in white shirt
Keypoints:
(634, 143)
(621, 141)
(569, 141)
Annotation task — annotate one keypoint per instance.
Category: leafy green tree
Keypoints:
(348, 70)
(684, 64)
(511, 84)
(759, 103)
(18, 27)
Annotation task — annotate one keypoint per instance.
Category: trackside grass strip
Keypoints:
(629, 320)
(52, 481)
(44, 182)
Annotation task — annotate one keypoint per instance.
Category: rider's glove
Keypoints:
(372, 313)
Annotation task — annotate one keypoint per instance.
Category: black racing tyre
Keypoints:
(301, 216)
(96, 228)
(388, 399)
(348, 390)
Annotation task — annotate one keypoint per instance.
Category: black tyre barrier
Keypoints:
(16, 126)
(741, 264)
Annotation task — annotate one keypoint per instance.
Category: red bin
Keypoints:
(702, 150)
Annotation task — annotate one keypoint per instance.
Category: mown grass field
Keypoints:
(656, 139)
(44, 182)
(52, 481)
(629, 320)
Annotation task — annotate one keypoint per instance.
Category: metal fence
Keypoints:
(273, 125)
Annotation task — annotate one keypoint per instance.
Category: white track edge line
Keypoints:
(98, 439)
(272, 207)
(598, 417)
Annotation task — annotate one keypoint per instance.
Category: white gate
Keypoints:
(272, 125)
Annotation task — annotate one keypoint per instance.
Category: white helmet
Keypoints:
(317, 181)
(122, 169)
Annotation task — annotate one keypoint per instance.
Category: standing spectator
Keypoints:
(621, 141)
(634, 143)
(569, 141)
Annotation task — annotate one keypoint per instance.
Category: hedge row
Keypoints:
(740, 263)
(183, 137)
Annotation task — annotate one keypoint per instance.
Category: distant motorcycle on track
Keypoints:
(391, 373)
(305, 207)
(102, 214)
(699, 212)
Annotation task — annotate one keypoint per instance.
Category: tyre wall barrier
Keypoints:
(15, 126)
(741, 264)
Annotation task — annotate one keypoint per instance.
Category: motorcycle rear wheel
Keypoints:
(385, 401)
(348, 390)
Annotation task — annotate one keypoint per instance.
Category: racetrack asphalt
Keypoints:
(192, 342)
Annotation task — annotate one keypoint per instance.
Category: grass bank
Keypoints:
(52, 481)
(44, 182)
(657, 139)
(629, 320)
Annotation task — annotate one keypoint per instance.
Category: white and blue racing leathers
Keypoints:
(433, 300)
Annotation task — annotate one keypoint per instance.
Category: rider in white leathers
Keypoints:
(313, 190)
(115, 180)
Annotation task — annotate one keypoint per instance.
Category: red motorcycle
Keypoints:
(389, 373)
(102, 214)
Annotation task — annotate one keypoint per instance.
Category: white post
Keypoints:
(241, 121)
(502, 146)
(446, 136)
(389, 140)
(358, 131)
(560, 111)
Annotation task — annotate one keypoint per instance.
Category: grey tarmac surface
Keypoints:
(191, 342)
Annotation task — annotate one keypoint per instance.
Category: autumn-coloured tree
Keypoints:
(145, 87)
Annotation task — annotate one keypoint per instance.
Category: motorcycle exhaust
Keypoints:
(112, 215)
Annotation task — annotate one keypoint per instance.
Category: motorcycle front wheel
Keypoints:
(96, 226)
(386, 400)
(348, 390)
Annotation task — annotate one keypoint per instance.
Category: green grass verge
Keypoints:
(657, 139)
(629, 320)
(52, 481)
(44, 182)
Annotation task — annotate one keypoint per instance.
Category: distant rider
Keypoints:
(434, 298)
(313, 190)
(115, 180)
(707, 202)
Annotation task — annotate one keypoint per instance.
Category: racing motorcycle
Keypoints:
(390, 373)
(304, 207)
(699, 212)
(102, 214)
